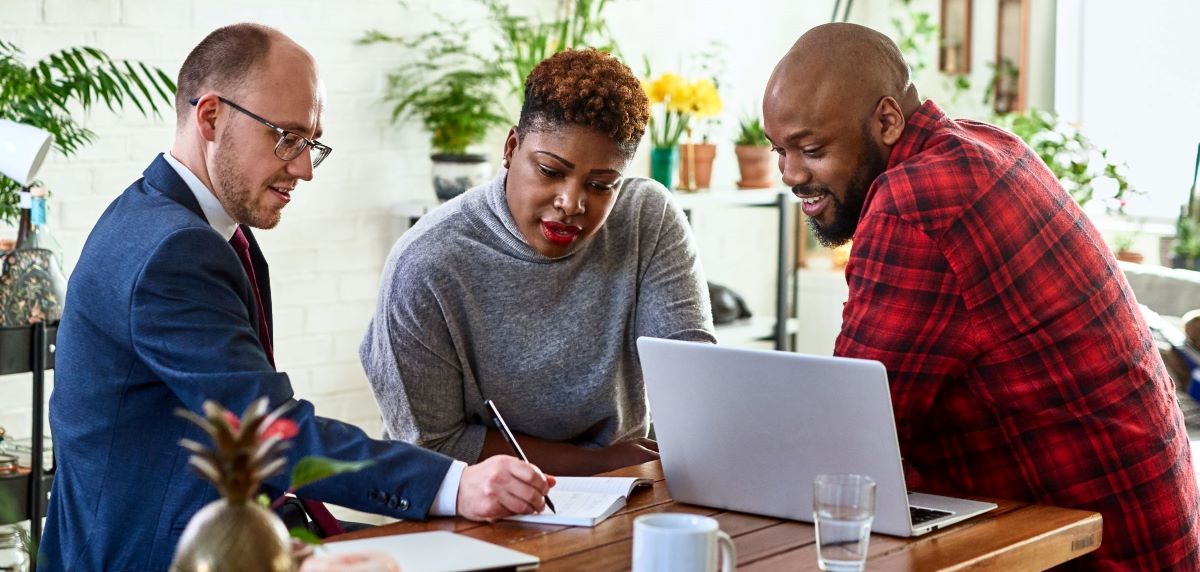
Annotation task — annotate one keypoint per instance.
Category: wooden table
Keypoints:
(1015, 536)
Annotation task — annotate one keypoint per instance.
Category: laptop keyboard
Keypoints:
(923, 515)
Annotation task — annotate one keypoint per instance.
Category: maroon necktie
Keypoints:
(316, 509)
(242, 246)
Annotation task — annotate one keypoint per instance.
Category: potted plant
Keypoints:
(456, 91)
(452, 91)
(1123, 248)
(524, 41)
(48, 93)
(695, 164)
(1083, 168)
(1187, 229)
(674, 101)
(753, 151)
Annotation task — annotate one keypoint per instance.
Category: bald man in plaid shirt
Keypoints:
(1020, 365)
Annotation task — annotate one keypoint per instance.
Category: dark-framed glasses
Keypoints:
(290, 145)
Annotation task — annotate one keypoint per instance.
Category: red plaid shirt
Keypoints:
(1020, 365)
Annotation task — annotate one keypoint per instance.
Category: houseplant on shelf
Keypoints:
(1187, 229)
(754, 155)
(457, 92)
(452, 91)
(674, 101)
(1123, 245)
(47, 94)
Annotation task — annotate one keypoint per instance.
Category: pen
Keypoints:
(512, 441)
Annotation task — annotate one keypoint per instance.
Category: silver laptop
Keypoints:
(748, 430)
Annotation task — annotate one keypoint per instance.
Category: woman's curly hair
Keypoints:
(589, 88)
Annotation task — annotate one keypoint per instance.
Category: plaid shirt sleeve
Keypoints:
(1019, 363)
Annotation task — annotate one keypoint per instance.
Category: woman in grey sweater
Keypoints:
(532, 289)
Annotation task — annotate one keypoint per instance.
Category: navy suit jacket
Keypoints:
(160, 314)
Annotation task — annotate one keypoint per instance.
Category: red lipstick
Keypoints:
(558, 233)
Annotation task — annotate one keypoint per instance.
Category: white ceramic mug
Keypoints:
(676, 542)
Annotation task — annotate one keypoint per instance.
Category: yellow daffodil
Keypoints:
(706, 102)
(662, 88)
(678, 100)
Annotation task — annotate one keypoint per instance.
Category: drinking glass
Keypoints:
(843, 508)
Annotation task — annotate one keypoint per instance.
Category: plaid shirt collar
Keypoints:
(917, 129)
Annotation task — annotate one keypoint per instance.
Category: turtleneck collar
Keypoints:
(501, 222)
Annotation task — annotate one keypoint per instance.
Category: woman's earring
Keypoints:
(506, 162)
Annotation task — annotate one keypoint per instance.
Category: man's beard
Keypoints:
(233, 191)
(846, 214)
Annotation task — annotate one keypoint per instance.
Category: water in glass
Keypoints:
(842, 540)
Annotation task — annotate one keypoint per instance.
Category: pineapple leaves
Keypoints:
(249, 450)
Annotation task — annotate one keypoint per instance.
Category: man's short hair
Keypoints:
(222, 61)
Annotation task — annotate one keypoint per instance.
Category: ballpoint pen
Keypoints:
(512, 441)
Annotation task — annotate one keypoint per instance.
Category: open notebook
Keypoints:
(585, 501)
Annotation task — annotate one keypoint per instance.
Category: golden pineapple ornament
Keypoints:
(235, 532)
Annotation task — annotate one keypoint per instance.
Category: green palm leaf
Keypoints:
(45, 94)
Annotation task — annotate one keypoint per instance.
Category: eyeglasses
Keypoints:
(290, 145)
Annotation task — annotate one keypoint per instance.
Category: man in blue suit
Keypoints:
(170, 306)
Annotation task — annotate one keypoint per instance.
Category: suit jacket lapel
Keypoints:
(162, 178)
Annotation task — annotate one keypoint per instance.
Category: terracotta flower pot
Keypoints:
(1130, 256)
(756, 167)
(698, 154)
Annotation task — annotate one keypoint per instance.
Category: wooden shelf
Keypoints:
(16, 349)
(732, 197)
(15, 488)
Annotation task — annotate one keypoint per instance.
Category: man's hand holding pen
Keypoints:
(502, 486)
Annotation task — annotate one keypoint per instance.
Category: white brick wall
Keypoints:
(327, 253)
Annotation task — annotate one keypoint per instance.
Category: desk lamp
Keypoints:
(22, 150)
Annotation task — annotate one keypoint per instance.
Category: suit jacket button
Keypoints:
(403, 504)
(373, 495)
(392, 502)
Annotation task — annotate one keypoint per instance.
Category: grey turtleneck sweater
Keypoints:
(469, 311)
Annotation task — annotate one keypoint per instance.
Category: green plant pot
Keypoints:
(664, 165)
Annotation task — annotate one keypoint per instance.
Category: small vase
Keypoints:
(701, 155)
(233, 536)
(664, 164)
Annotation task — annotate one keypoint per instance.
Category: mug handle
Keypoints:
(728, 552)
